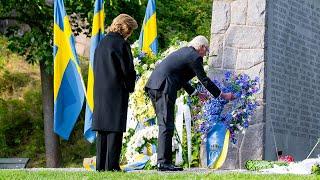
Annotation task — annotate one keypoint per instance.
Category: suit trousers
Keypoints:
(164, 106)
(108, 150)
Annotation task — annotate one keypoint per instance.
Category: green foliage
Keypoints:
(21, 132)
(3, 52)
(256, 165)
(148, 166)
(176, 18)
(126, 139)
(21, 119)
(195, 151)
(76, 148)
(21, 127)
(183, 19)
(13, 81)
(315, 169)
(33, 45)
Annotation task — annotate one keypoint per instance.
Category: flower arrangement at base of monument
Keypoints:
(220, 120)
(141, 149)
(139, 102)
(214, 116)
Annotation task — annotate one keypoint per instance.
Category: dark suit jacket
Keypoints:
(177, 69)
(114, 78)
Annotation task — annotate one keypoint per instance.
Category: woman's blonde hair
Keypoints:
(123, 24)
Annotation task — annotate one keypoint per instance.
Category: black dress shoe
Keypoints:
(169, 167)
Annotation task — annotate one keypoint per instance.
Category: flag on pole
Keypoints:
(97, 36)
(148, 41)
(69, 91)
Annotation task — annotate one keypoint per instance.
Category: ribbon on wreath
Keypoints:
(217, 145)
(139, 163)
(183, 113)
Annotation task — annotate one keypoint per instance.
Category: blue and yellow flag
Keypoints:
(148, 41)
(69, 91)
(97, 36)
(217, 145)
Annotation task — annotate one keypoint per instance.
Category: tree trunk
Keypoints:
(53, 153)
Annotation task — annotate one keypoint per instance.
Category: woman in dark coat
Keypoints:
(114, 79)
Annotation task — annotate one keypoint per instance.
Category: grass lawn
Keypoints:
(26, 175)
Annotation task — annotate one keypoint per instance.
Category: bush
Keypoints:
(22, 134)
(12, 81)
(21, 127)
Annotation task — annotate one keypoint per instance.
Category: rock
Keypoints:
(221, 16)
(239, 12)
(216, 50)
(229, 58)
(247, 58)
(256, 12)
(245, 37)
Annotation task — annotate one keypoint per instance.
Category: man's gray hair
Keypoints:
(199, 41)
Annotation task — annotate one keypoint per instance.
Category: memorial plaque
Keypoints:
(292, 77)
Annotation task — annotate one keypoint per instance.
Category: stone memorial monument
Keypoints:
(279, 41)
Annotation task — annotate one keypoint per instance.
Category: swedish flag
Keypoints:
(69, 91)
(148, 41)
(97, 36)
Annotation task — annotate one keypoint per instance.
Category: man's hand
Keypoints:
(227, 96)
(202, 96)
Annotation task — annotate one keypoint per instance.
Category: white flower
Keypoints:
(138, 139)
(136, 61)
(169, 51)
(135, 44)
(157, 63)
(144, 151)
(195, 80)
(239, 127)
(145, 67)
(152, 66)
(205, 60)
(234, 114)
(153, 159)
(206, 68)
(175, 144)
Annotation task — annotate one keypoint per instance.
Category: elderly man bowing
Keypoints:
(172, 74)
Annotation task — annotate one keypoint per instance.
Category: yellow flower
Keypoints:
(139, 102)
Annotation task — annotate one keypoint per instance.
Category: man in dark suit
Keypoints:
(172, 74)
(114, 79)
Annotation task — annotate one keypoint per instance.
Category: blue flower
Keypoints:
(227, 75)
(242, 107)
(246, 124)
(141, 55)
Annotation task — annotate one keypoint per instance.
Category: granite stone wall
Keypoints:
(238, 44)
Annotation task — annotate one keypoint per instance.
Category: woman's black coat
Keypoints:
(114, 78)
